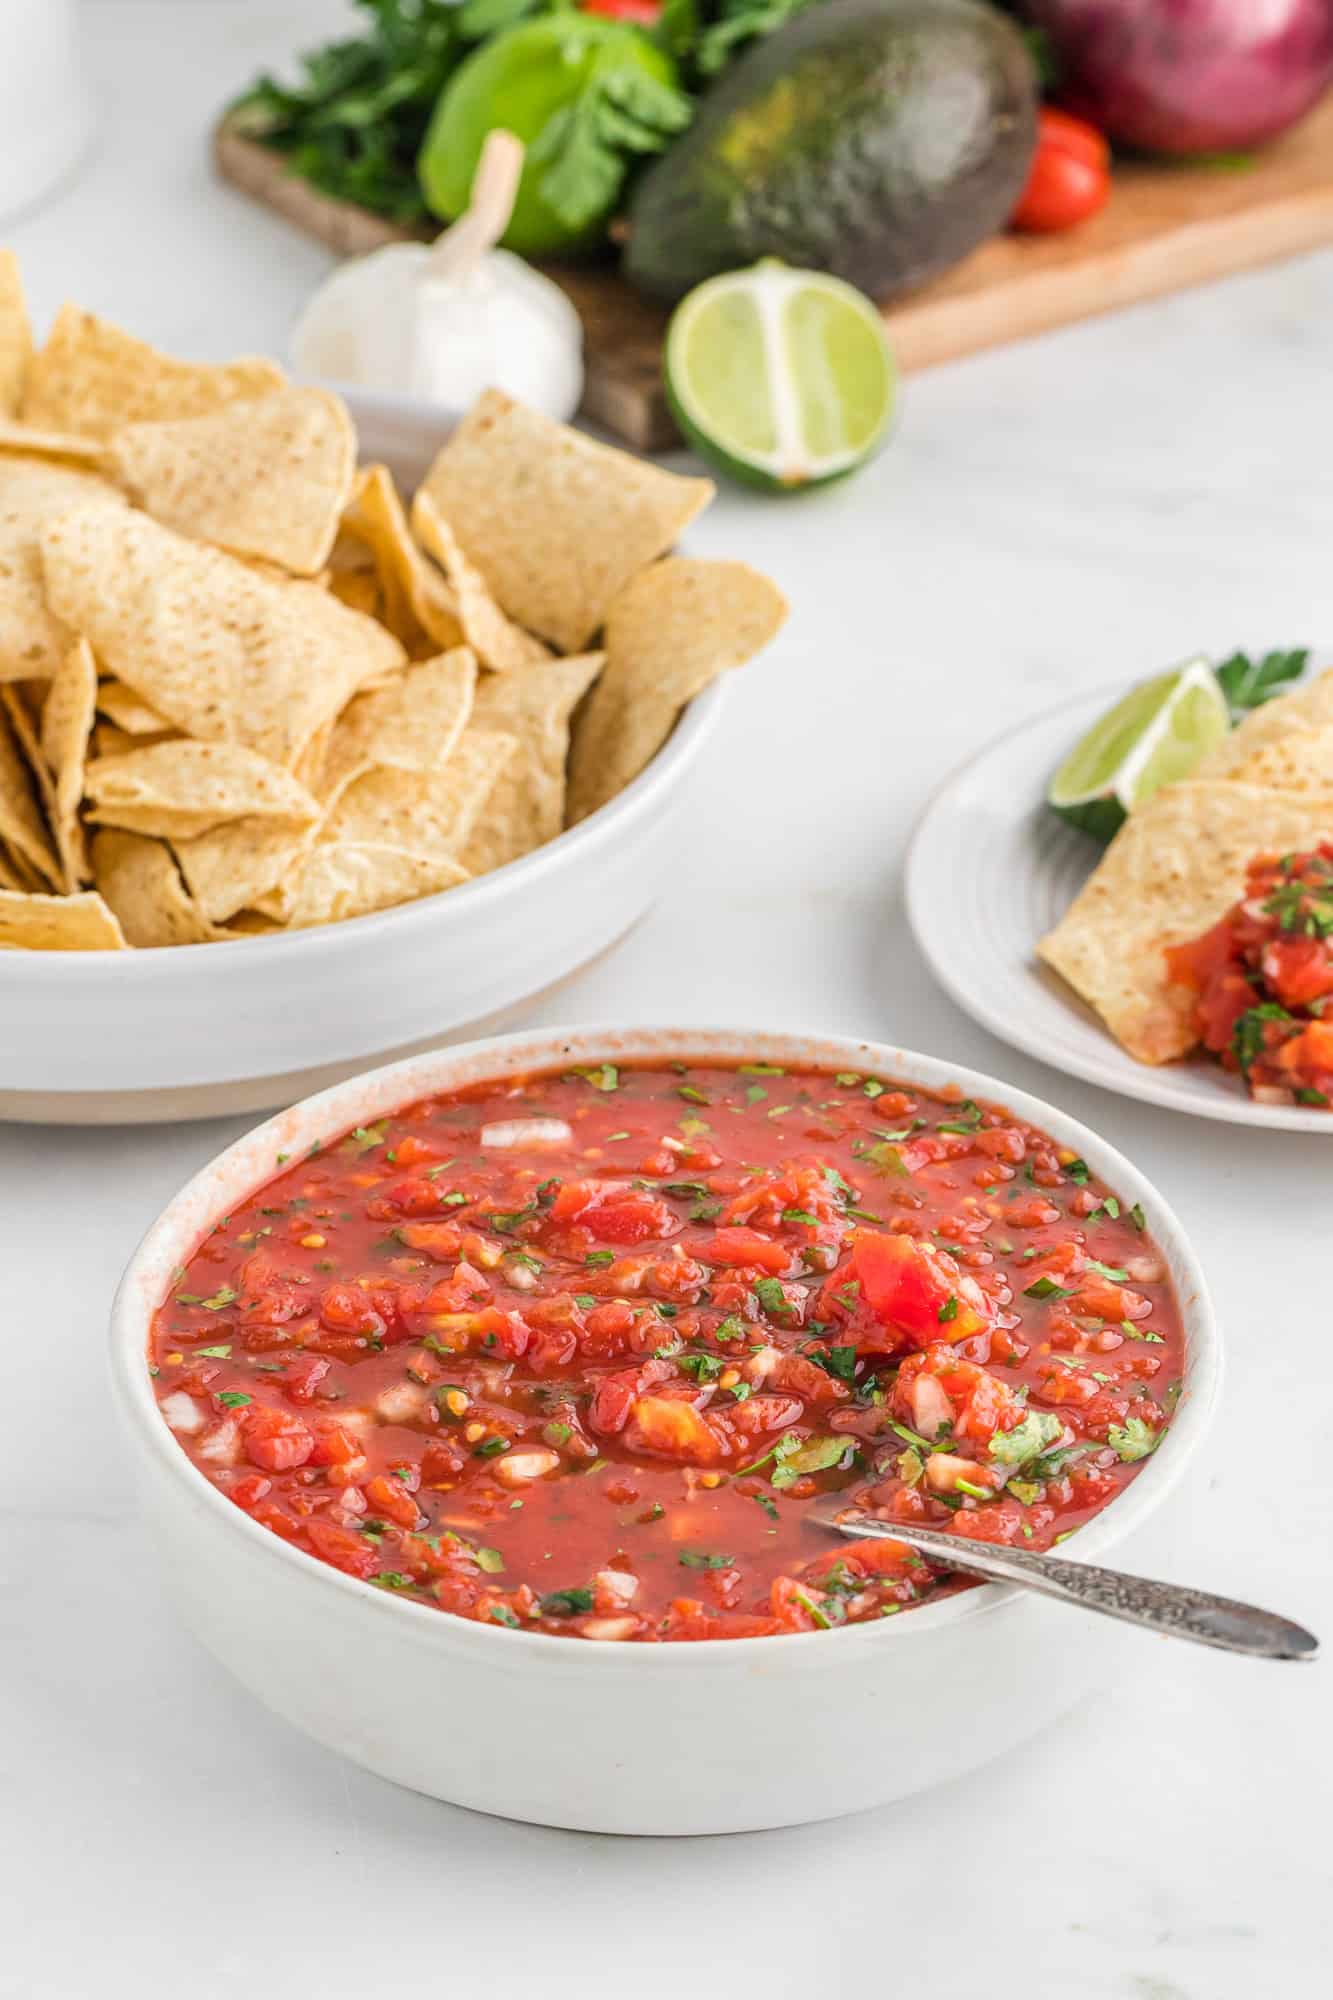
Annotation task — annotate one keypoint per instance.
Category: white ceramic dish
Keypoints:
(194, 1030)
(708, 1738)
(989, 871)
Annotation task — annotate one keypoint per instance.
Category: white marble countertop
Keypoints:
(1089, 506)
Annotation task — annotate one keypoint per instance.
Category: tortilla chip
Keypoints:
(15, 334)
(267, 479)
(22, 823)
(1171, 872)
(58, 923)
(351, 879)
(67, 722)
(224, 654)
(141, 884)
(423, 812)
(416, 604)
(497, 642)
(359, 590)
(237, 865)
(180, 789)
(412, 725)
(92, 379)
(129, 711)
(33, 642)
(27, 442)
(527, 806)
(672, 630)
(556, 524)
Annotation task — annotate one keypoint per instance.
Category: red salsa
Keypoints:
(572, 1353)
(1263, 977)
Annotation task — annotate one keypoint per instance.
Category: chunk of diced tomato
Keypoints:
(920, 1291)
(277, 1440)
(748, 1248)
(613, 1211)
(342, 1547)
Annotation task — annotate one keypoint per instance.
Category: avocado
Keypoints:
(877, 139)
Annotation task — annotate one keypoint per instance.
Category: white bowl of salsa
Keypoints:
(463, 1393)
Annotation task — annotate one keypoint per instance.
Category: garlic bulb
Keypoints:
(445, 320)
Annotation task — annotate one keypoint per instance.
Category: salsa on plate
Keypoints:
(1264, 979)
(571, 1353)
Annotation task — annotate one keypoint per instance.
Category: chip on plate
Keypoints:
(1173, 870)
(237, 865)
(555, 523)
(91, 379)
(676, 627)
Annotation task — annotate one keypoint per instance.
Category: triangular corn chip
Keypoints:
(67, 721)
(497, 642)
(180, 789)
(226, 655)
(92, 379)
(350, 879)
(237, 865)
(1173, 870)
(428, 812)
(23, 825)
(58, 923)
(142, 886)
(33, 641)
(527, 806)
(267, 479)
(417, 604)
(556, 524)
(15, 335)
(673, 629)
(412, 725)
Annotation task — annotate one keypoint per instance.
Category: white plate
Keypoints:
(989, 871)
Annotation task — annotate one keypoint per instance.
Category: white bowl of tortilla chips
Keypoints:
(408, 763)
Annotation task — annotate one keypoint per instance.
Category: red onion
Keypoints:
(1189, 76)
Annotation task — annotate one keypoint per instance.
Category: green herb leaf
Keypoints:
(772, 1298)
(232, 1399)
(605, 1076)
(817, 1454)
(490, 1560)
(224, 1296)
(698, 1559)
(566, 1603)
(1248, 683)
(1133, 1440)
(1026, 1440)
(1046, 1288)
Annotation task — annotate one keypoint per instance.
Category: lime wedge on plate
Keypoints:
(1160, 731)
(780, 378)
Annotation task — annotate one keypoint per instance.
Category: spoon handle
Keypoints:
(1174, 1609)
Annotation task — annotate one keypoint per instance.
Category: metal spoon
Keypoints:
(1170, 1608)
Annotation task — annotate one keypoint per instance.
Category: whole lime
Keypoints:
(521, 80)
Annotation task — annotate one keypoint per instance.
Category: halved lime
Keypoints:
(1160, 731)
(780, 378)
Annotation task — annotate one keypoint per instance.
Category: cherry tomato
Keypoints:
(1070, 176)
(643, 13)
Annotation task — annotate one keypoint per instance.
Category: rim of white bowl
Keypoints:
(146, 1279)
(640, 798)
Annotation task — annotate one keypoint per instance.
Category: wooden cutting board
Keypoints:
(1164, 228)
